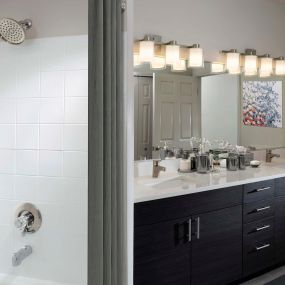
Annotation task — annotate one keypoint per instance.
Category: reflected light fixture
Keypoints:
(146, 50)
(158, 62)
(172, 53)
(266, 66)
(250, 62)
(136, 59)
(280, 66)
(180, 65)
(217, 67)
(195, 57)
(232, 61)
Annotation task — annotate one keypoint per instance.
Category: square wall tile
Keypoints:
(25, 188)
(52, 54)
(28, 110)
(28, 80)
(6, 186)
(76, 53)
(76, 110)
(7, 135)
(75, 189)
(51, 137)
(6, 212)
(75, 137)
(52, 84)
(75, 164)
(51, 111)
(8, 86)
(27, 162)
(27, 137)
(76, 83)
(50, 190)
(7, 161)
(50, 163)
(7, 111)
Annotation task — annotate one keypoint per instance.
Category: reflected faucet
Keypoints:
(270, 155)
(156, 168)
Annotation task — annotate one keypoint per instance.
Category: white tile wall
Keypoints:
(43, 157)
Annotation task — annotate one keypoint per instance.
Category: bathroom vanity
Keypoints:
(209, 230)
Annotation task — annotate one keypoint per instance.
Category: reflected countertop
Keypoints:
(173, 184)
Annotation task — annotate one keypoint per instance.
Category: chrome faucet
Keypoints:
(156, 168)
(270, 155)
(21, 254)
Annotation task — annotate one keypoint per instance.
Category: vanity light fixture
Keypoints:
(250, 62)
(280, 65)
(179, 65)
(266, 66)
(195, 57)
(158, 62)
(217, 67)
(146, 49)
(136, 59)
(172, 53)
(232, 61)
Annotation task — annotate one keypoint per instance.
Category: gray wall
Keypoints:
(215, 24)
(51, 17)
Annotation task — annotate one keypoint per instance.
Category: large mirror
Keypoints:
(171, 107)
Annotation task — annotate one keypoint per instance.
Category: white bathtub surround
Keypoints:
(173, 184)
(43, 158)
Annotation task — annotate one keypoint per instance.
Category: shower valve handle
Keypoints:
(24, 222)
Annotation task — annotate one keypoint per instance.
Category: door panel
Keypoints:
(217, 252)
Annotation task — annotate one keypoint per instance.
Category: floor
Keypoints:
(263, 279)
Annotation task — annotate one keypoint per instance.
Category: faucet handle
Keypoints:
(156, 162)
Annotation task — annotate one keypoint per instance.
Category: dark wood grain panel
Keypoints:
(259, 191)
(217, 254)
(280, 186)
(182, 206)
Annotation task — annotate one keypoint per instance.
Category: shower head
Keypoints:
(12, 31)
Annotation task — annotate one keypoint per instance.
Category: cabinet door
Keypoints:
(280, 228)
(162, 253)
(217, 247)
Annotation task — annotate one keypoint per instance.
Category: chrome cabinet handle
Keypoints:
(198, 228)
(262, 247)
(262, 209)
(190, 230)
(259, 190)
(262, 228)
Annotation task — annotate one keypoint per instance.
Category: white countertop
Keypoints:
(174, 184)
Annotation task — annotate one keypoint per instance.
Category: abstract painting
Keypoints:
(262, 103)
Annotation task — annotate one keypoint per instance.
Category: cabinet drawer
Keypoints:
(258, 230)
(258, 210)
(258, 191)
(182, 206)
(280, 186)
(258, 255)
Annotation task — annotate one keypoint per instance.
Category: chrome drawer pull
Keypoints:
(262, 247)
(189, 230)
(259, 190)
(262, 209)
(198, 228)
(262, 228)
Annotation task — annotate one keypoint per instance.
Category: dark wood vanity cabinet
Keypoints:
(280, 219)
(234, 233)
(203, 247)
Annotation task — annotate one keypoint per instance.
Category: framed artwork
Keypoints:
(262, 103)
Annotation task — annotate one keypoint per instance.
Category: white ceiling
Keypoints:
(50, 17)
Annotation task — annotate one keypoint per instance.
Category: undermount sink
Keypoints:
(179, 181)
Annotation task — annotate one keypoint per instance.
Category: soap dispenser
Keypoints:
(184, 163)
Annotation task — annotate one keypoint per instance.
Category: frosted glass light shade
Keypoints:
(146, 51)
(172, 54)
(180, 65)
(266, 67)
(217, 67)
(233, 62)
(280, 67)
(250, 65)
(196, 58)
(136, 60)
(158, 62)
